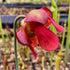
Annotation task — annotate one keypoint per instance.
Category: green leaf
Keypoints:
(1, 30)
(54, 4)
(63, 38)
(52, 9)
(68, 38)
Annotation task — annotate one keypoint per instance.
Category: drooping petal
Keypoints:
(37, 16)
(57, 26)
(48, 23)
(22, 36)
(34, 53)
(24, 40)
(34, 41)
(49, 13)
(47, 39)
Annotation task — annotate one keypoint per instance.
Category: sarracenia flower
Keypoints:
(35, 30)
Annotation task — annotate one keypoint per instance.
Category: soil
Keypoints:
(24, 11)
(31, 63)
(14, 11)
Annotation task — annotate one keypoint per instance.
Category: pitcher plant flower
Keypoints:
(35, 30)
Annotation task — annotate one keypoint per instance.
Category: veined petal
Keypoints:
(48, 23)
(37, 16)
(49, 13)
(47, 39)
(34, 41)
(32, 25)
(34, 53)
(22, 36)
(57, 26)
(24, 40)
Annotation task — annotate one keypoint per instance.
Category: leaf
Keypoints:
(68, 38)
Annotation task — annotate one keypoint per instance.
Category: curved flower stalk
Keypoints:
(15, 46)
(35, 30)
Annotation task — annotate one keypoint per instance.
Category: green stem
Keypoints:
(7, 34)
(58, 18)
(51, 59)
(15, 46)
(63, 38)
(28, 52)
(43, 62)
(68, 38)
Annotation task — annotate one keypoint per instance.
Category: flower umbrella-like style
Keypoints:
(35, 30)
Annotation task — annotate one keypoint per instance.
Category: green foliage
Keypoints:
(59, 55)
(15, 46)
(54, 4)
(58, 18)
(54, 11)
(57, 61)
(43, 62)
(63, 38)
(63, 1)
(1, 30)
(68, 38)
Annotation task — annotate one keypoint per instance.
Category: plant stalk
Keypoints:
(15, 46)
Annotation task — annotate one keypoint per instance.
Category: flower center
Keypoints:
(30, 33)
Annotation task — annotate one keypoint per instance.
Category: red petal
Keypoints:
(34, 53)
(32, 25)
(24, 40)
(48, 23)
(47, 39)
(37, 16)
(49, 13)
(57, 26)
(22, 37)
(34, 41)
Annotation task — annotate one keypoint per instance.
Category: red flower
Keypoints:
(35, 29)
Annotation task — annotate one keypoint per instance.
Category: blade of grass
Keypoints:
(19, 46)
(43, 62)
(28, 52)
(5, 60)
(43, 59)
(1, 30)
(58, 18)
(67, 40)
(63, 38)
(51, 56)
(7, 34)
(59, 55)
